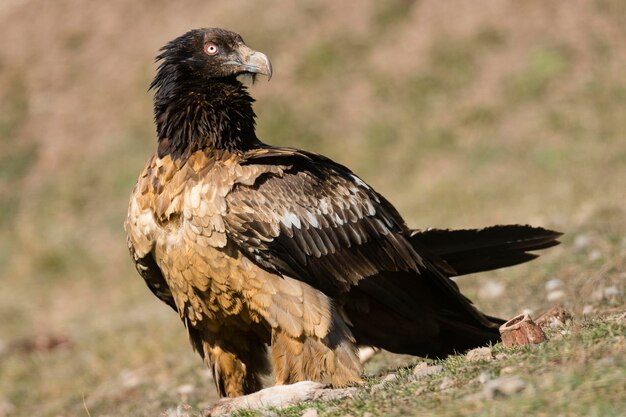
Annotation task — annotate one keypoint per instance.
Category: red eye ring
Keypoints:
(211, 49)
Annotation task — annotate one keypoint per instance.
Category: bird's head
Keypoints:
(210, 54)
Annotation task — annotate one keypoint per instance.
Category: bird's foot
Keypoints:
(278, 396)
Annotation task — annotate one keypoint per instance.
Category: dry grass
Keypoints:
(462, 115)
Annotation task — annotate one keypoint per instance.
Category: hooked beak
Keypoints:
(254, 62)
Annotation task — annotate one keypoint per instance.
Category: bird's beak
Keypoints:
(255, 62)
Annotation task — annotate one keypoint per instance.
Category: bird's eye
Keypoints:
(211, 48)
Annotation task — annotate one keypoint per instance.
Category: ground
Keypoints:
(461, 114)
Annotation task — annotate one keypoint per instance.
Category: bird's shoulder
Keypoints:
(172, 193)
(316, 221)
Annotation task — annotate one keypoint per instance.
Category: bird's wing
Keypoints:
(138, 224)
(151, 273)
(319, 223)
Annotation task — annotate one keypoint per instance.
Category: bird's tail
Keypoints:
(474, 250)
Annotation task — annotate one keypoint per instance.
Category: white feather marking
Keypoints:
(194, 196)
(338, 219)
(360, 181)
(312, 220)
(324, 206)
(290, 219)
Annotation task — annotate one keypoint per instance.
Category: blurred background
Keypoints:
(463, 114)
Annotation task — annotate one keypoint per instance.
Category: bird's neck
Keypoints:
(210, 116)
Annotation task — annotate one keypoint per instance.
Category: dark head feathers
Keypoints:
(198, 101)
(189, 57)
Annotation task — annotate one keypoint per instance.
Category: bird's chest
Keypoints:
(206, 282)
(183, 217)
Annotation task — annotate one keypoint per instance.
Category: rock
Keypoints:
(390, 377)
(131, 378)
(555, 295)
(420, 366)
(446, 383)
(521, 330)
(611, 291)
(581, 242)
(588, 309)
(483, 378)
(491, 290)
(507, 370)
(553, 284)
(335, 394)
(594, 255)
(309, 412)
(605, 293)
(503, 387)
(185, 389)
(423, 372)
(387, 379)
(479, 354)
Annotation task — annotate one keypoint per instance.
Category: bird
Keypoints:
(277, 258)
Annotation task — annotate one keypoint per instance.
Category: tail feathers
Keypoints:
(474, 250)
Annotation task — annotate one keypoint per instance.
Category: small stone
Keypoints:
(446, 383)
(335, 394)
(507, 370)
(185, 389)
(368, 414)
(611, 291)
(419, 391)
(390, 377)
(594, 255)
(553, 284)
(555, 295)
(605, 293)
(130, 378)
(483, 378)
(424, 372)
(309, 412)
(420, 366)
(503, 387)
(581, 242)
(491, 290)
(501, 356)
(377, 387)
(479, 354)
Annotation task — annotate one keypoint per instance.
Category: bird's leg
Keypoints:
(333, 359)
(238, 362)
